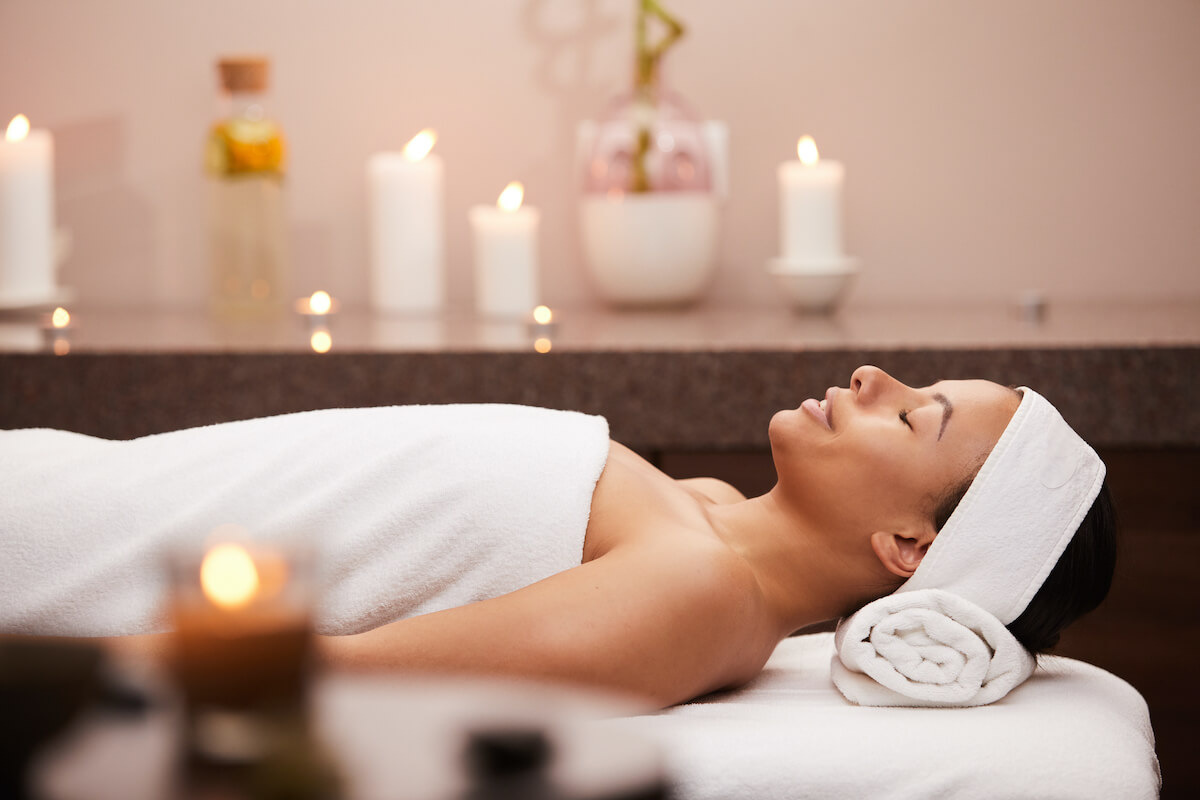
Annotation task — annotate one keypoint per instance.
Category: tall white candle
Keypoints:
(810, 206)
(405, 220)
(506, 263)
(26, 215)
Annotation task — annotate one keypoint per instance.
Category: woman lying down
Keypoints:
(955, 529)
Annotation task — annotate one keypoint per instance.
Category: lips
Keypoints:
(814, 408)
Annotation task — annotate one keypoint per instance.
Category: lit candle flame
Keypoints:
(419, 146)
(321, 341)
(228, 576)
(511, 197)
(542, 315)
(320, 302)
(60, 318)
(806, 148)
(18, 129)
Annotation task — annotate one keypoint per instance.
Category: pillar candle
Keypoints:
(506, 264)
(810, 204)
(405, 219)
(26, 215)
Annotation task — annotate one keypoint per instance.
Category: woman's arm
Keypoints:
(649, 621)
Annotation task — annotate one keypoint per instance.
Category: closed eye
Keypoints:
(904, 419)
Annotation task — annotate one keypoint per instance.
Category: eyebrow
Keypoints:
(947, 410)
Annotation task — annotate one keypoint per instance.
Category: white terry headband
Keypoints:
(1018, 515)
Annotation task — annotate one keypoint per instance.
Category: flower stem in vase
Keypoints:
(646, 81)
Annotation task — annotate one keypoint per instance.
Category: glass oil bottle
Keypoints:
(245, 162)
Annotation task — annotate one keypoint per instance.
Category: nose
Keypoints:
(868, 383)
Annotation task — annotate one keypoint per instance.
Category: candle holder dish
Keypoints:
(814, 287)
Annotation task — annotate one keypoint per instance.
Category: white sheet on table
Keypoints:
(1071, 731)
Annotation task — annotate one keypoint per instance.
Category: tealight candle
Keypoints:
(506, 265)
(27, 263)
(542, 322)
(810, 206)
(56, 326)
(405, 221)
(319, 305)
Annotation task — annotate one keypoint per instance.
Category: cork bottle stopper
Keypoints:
(243, 74)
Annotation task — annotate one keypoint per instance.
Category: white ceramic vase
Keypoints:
(656, 248)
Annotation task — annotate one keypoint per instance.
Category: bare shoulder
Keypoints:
(703, 601)
(714, 489)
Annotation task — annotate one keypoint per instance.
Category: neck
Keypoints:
(808, 573)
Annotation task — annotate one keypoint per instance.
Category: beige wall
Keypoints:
(991, 146)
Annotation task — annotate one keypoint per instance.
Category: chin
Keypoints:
(775, 428)
(786, 432)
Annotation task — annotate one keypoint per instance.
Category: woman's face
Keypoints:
(879, 455)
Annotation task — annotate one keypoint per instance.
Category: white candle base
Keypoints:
(814, 286)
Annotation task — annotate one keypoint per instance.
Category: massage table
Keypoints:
(1072, 731)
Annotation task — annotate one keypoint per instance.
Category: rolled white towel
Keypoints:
(927, 647)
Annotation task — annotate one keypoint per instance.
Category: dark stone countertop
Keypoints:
(1124, 376)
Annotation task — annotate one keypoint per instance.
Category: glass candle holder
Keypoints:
(243, 645)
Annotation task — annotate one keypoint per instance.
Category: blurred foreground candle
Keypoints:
(405, 219)
(26, 215)
(810, 205)
(242, 646)
(506, 265)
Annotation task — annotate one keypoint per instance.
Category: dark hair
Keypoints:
(1077, 584)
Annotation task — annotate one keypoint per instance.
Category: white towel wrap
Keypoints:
(980, 573)
(410, 509)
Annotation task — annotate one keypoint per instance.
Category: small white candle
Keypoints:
(506, 263)
(405, 221)
(810, 206)
(26, 214)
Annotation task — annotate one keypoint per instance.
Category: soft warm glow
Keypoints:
(60, 318)
(228, 576)
(61, 346)
(806, 148)
(18, 129)
(419, 146)
(320, 302)
(321, 341)
(511, 197)
(542, 315)
(542, 345)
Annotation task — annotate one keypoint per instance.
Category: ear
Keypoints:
(901, 552)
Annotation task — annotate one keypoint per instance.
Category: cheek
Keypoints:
(857, 477)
